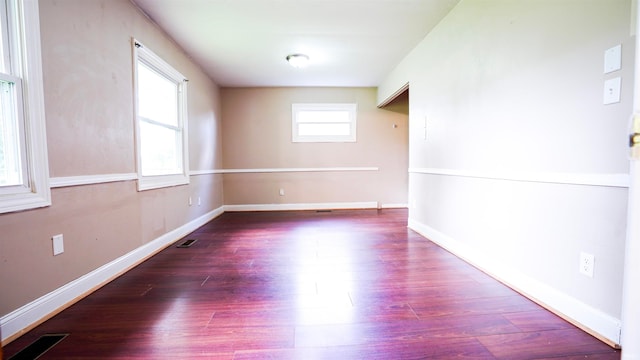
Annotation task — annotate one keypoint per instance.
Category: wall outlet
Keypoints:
(587, 262)
(58, 244)
(190, 201)
(611, 93)
(199, 201)
(281, 192)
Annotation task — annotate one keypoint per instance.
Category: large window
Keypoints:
(161, 122)
(323, 122)
(24, 174)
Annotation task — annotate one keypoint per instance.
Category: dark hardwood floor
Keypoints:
(310, 285)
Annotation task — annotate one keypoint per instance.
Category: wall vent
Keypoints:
(187, 243)
(39, 347)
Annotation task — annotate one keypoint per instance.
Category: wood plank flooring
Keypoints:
(310, 285)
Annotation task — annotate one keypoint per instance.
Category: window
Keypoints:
(323, 122)
(161, 122)
(24, 172)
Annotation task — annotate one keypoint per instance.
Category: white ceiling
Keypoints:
(243, 43)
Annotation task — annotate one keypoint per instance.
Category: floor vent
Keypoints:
(187, 243)
(323, 211)
(39, 347)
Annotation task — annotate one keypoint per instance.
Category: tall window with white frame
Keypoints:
(161, 121)
(24, 174)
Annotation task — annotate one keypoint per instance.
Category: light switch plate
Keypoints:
(613, 59)
(611, 93)
(58, 244)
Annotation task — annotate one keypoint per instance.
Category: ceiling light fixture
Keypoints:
(298, 60)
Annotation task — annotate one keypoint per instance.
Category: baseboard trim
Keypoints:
(394, 206)
(27, 317)
(593, 321)
(304, 206)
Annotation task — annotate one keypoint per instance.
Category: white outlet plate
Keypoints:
(587, 262)
(58, 244)
(611, 94)
(613, 59)
(281, 192)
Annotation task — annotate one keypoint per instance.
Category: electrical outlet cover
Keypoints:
(613, 59)
(58, 244)
(611, 93)
(587, 262)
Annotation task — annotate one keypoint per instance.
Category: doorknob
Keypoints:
(634, 139)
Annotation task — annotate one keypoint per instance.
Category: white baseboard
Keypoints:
(394, 206)
(597, 323)
(23, 319)
(308, 206)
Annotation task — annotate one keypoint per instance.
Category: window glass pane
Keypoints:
(320, 116)
(4, 36)
(157, 96)
(159, 150)
(324, 122)
(324, 129)
(10, 164)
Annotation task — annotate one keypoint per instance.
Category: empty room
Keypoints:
(319, 179)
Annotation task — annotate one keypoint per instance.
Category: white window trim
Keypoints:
(160, 181)
(350, 107)
(29, 68)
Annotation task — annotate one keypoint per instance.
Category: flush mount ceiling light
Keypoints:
(298, 60)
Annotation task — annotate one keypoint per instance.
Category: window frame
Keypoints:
(150, 59)
(351, 108)
(22, 50)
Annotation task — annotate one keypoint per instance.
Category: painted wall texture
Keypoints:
(88, 83)
(257, 134)
(512, 94)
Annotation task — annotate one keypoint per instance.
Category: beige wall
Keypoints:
(87, 64)
(520, 165)
(257, 134)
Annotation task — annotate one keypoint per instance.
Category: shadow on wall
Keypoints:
(399, 104)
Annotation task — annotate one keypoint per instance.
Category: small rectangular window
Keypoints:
(161, 122)
(323, 122)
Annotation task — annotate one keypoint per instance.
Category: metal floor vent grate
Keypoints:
(324, 211)
(187, 243)
(39, 347)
